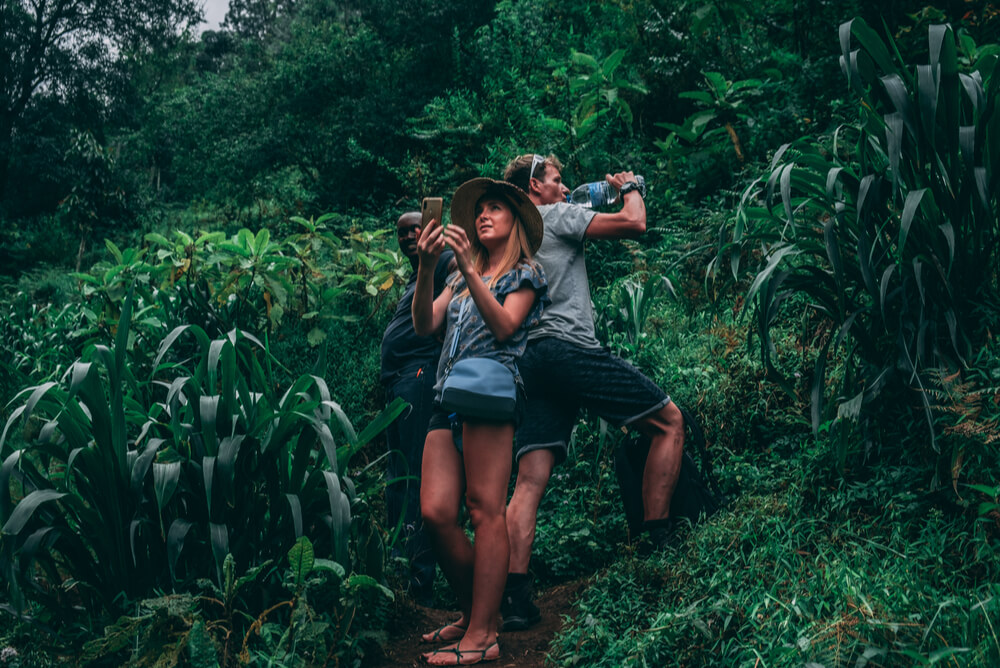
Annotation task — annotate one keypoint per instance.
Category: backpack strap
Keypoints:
(698, 439)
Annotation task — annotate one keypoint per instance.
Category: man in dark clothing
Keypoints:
(408, 371)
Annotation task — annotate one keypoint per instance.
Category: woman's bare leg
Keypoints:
(441, 488)
(487, 453)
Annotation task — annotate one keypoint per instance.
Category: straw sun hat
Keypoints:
(463, 207)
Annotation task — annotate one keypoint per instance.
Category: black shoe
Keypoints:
(517, 610)
(657, 536)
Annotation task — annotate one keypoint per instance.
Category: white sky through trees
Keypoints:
(215, 12)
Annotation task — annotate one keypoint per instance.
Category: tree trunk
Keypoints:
(84, 234)
(6, 133)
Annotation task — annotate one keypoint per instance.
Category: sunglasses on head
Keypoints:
(535, 161)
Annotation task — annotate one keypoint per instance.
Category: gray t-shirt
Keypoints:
(570, 316)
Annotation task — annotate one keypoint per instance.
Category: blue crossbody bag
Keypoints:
(477, 387)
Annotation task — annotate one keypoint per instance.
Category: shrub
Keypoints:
(117, 485)
(887, 231)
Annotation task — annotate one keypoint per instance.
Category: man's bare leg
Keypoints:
(533, 471)
(663, 465)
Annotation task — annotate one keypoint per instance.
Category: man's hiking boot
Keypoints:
(516, 608)
(657, 536)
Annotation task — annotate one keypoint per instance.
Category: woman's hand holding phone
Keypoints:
(459, 243)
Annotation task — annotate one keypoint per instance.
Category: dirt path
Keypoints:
(524, 649)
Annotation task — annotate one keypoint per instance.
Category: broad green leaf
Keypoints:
(851, 409)
(178, 532)
(864, 188)
(29, 406)
(156, 238)
(716, 82)
(316, 336)
(166, 477)
(300, 559)
(329, 565)
(869, 41)
(208, 477)
(928, 86)
(252, 574)
(205, 422)
(982, 178)
(910, 208)
(219, 538)
(214, 354)
(612, 62)
(381, 421)
(236, 249)
(9, 464)
(26, 508)
(359, 581)
(345, 424)
(113, 249)
(777, 257)
(895, 87)
(884, 284)
(261, 241)
(894, 145)
(229, 452)
(967, 143)
(169, 340)
(697, 96)
(295, 509)
(142, 464)
(585, 60)
(973, 85)
(948, 231)
(340, 516)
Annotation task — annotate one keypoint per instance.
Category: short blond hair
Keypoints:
(518, 170)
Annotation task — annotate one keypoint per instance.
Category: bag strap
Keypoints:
(458, 328)
(698, 438)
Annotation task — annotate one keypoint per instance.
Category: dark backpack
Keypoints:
(697, 494)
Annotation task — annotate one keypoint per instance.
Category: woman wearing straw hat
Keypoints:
(486, 307)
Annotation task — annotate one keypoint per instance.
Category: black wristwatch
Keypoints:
(630, 186)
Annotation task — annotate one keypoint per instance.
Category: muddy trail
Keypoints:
(524, 649)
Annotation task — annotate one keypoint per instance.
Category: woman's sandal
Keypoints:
(439, 636)
(479, 655)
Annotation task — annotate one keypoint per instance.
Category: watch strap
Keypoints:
(630, 186)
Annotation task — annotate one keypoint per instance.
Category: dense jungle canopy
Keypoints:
(197, 261)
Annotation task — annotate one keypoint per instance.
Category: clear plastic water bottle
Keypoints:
(598, 193)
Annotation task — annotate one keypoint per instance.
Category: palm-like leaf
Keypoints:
(894, 242)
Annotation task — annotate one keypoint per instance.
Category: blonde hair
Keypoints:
(515, 251)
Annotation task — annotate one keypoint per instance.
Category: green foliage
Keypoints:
(710, 135)
(865, 575)
(58, 58)
(891, 239)
(253, 282)
(226, 147)
(620, 320)
(311, 624)
(599, 87)
(581, 513)
(125, 484)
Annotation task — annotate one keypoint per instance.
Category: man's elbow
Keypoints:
(635, 227)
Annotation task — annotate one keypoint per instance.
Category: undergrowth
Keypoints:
(864, 575)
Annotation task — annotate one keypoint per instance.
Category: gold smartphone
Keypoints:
(430, 208)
